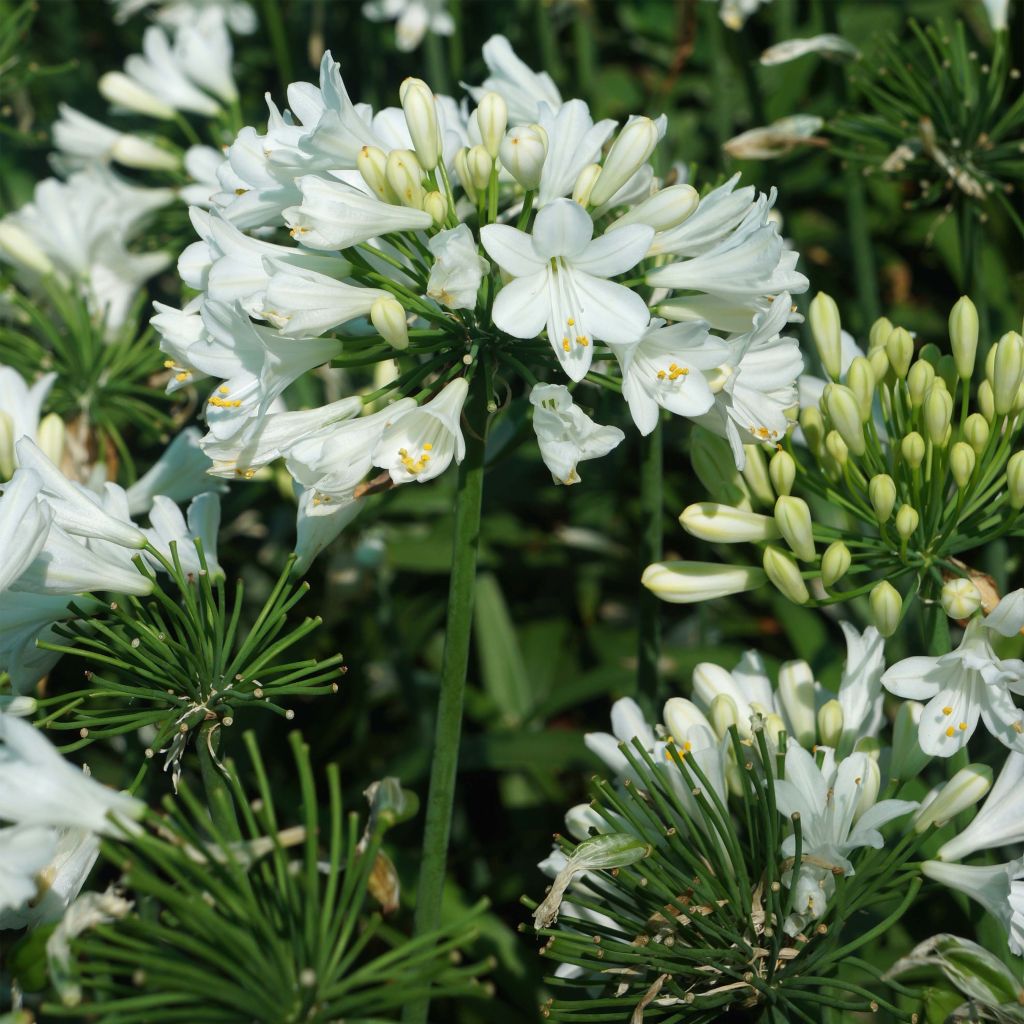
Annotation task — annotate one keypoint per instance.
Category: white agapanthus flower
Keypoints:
(21, 408)
(1000, 821)
(458, 268)
(566, 435)
(24, 852)
(734, 13)
(413, 19)
(238, 15)
(82, 140)
(969, 683)
(522, 88)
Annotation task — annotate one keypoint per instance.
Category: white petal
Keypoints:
(512, 250)
(613, 312)
(615, 252)
(562, 228)
(909, 679)
(521, 308)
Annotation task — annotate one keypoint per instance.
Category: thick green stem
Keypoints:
(649, 633)
(458, 630)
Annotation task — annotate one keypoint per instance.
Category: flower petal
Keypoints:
(511, 249)
(521, 308)
(562, 228)
(909, 679)
(614, 313)
(615, 252)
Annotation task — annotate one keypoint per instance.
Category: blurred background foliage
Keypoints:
(555, 638)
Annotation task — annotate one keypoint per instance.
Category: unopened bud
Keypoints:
(585, 182)
(436, 205)
(689, 582)
(755, 472)
(522, 154)
(987, 400)
(962, 791)
(882, 494)
(782, 472)
(919, 381)
(666, 209)
(630, 151)
(50, 436)
(867, 786)
(907, 520)
(388, 318)
(879, 360)
(372, 164)
(480, 164)
(783, 571)
(976, 432)
(793, 518)
(860, 379)
(405, 176)
(834, 563)
(117, 88)
(823, 318)
(680, 716)
(774, 727)
(6, 446)
(724, 714)
(879, 333)
(723, 524)
(830, 723)
(1007, 371)
(421, 117)
(21, 248)
(836, 447)
(912, 448)
(960, 598)
(886, 607)
(961, 462)
(462, 169)
(492, 120)
(813, 427)
(1015, 479)
(845, 415)
(135, 151)
(796, 692)
(899, 347)
(963, 336)
(938, 411)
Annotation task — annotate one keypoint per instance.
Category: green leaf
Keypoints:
(502, 668)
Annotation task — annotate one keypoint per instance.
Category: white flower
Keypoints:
(25, 524)
(969, 683)
(522, 88)
(561, 274)
(1000, 822)
(169, 527)
(181, 472)
(85, 139)
(828, 44)
(25, 618)
(39, 787)
(24, 852)
(663, 370)
(734, 13)
(161, 71)
(628, 721)
(238, 14)
(566, 434)
(574, 141)
(299, 301)
(421, 444)
(776, 139)
(203, 50)
(201, 165)
(413, 19)
(317, 525)
(860, 690)
(458, 268)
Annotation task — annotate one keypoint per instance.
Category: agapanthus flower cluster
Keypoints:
(909, 458)
(514, 240)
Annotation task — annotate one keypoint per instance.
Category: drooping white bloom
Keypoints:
(413, 19)
(82, 140)
(204, 52)
(458, 268)
(561, 283)
(829, 45)
(300, 301)
(566, 435)
(237, 14)
(969, 683)
(522, 88)
(776, 139)
(860, 690)
(25, 524)
(1000, 822)
(24, 852)
(181, 472)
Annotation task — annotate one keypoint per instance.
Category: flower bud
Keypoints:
(689, 582)
(882, 494)
(907, 520)
(987, 400)
(1007, 371)
(388, 318)
(962, 791)
(783, 571)
(976, 432)
(492, 120)
(774, 727)
(462, 169)
(960, 598)
(405, 176)
(522, 153)
(585, 182)
(860, 379)
(135, 151)
(830, 723)
(912, 448)
(879, 360)
(938, 411)
(793, 518)
(961, 462)
(724, 714)
(867, 787)
(1015, 479)
(630, 151)
(919, 381)
(899, 347)
(117, 88)
(667, 208)
(834, 563)
(823, 318)
(480, 163)
(436, 205)
(755, 472)
(796, 692)
(907, 756)
(6, 447)
(723, 524)
(886, 607)
(836, 447)
(782, 472)
(21, 248)
(879, 334)
(963, 336)
(680, 716)
(712, 461)
(813, 427)
(845, 415)
(421, 117)
(50, 437)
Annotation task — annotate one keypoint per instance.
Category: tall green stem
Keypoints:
(273, 22)
(649, 633)
(458, 630)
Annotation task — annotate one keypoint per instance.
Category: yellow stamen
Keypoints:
(947, 711)
(950, 731)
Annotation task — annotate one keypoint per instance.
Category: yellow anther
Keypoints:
(428, 447)
(661, 375)
(950, 731)
(1017, 727)
(687, 746)
(181, 376)
(424, 457)
(224, 389)
(168, 364)
(565, 344)
(963, 727)
(571, 322)
(583, 340)
(947, 711)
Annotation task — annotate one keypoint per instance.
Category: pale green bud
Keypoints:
(388, 318)
(663, 210)
(960, 598)
(723, 524)
(962, 791)
(783, 571)
(724, 714)
(492, 120)
(879, 334)
(961, 462)
(436, 205)
(886, 607)
(1007, 371)
(405, 176)
(836, 447)
(480, 163)
(793, 518)
(372, 164)
(22, 249)
(1015, 479)
(813, 427)
(823, 319)
(629, 152)
(680, 716)
(421, 117)
(882, 494)
(835, 563)
(755, 472)
(712, 461)
(860, 379)
(987, 400)
(135, 151)
(585, 182)
(462, 169)
(50, 436)
(830, 723)
(907, 756)
(938, 411)
(879, 360)
(796, 691)
(899, 347)
(907, 520)
(912, 448)
(782, 472)
(6, 446)
(845, 415)
(919, 381)
(523, 152)
(689, 582)
(774, 727)
(990, 361)
(123, 91)
(976, 432)
(868, 786)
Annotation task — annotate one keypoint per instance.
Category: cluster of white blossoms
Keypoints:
(517, 237)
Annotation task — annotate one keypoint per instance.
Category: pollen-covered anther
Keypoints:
(947, 711)
(416, 465)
